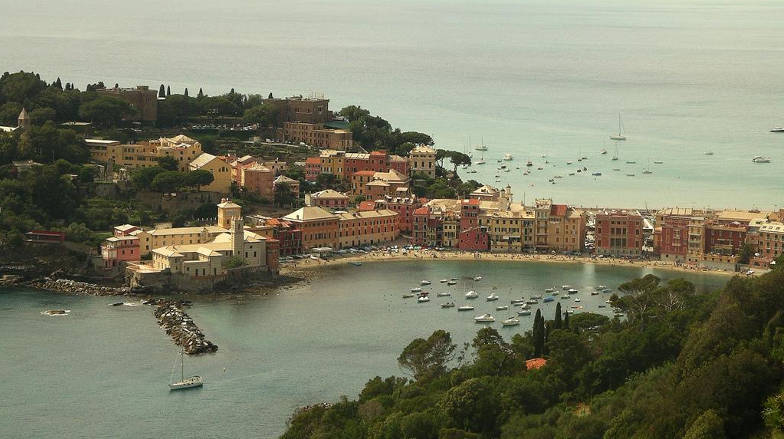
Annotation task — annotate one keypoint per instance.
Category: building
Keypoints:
(367, 228)
(359, 181)
(328, 199)
(123, 246)
(312, 168)
(403, 206)
(258, 179)
(619, 233)
(767, 236)
(559, 227)
(308, 120)
(511, 230)
(302, 109)
(181, 148)
(671, 236)
(423, 161)
(290, 182)
(317, 135)
(22, 122)
(220, 170)
(144, 100)
(319, 227)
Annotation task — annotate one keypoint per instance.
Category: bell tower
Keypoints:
(226, 212)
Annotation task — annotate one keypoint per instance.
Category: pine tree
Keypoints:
(186, 92)
(201, 94)
(232, 91)
(58, 84)
(566, 321)
(270, 96)
(116, 85)
(557, 321)
(168, 90)
(162, 92)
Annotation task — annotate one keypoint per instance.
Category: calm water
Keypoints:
(530, 76)
(103, 371)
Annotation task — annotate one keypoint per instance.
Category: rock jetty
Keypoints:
(178, 324)
(75, 287)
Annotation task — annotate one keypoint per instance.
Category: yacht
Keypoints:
(502, 307)
(565, 287)
(532, 301)
(443, 293)
(630, 175)
(525, 306)
(425, 282)
(484, 318)
(594, 293)
(529, 163)
(620, 135)
(549, 290)
(448, 305)
(518, 301)
(451, 282)
(511, 321)
(760, 159)
(524, 312)
(423, 299)
(416, 290)
(408, 295)
(777, 130)
(477, 278)
(597, 174)
(492, 297)
(647, 172)
(658, 162)
(508, 157)
(471, 295)
(631, 162)
(443, 281)
(465, 308)
(604, 151)
(572, 291)
(186, 383)
(577, 299)
(547, 299)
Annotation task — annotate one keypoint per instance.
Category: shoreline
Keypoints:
(308, 265)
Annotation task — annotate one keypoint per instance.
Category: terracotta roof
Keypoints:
(328, 193)
(367, 205)
(558, 209)
(535, 363)
(313, 160)
(365, 173)
(424, 210)
(472, 201)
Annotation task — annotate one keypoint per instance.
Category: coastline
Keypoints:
(303, 266)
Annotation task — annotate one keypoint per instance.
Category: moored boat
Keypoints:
(524, 312)
(448, 305)
(471, 295)
(511, 321)
(465, 308)
(492, 297)
(484, 318)
(502, 307)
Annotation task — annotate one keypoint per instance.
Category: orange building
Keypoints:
(319, 228)
(367, 228)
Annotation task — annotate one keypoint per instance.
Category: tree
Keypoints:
(198, 178)
(40, 115)
(426, 359)
(283, 195)
(168, 163)
(167, 181)
(538, 334)
(142, 178)
(708, 426)
(186, 92)
(200, 95)
(557, 321)
(168, 91)
(470, 406)
(266, 114)
(58, 84)
(566, 321)
(162, 91)
(745, 254)
(105, 111)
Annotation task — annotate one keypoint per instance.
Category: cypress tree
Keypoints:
(232, 91)
(557, 320)
(186, 92)
(168, 91)
(538, 334)
(116, 85)
(201, 93)
(162, 92)
(58, 84)
(270, 96)
(566, 321)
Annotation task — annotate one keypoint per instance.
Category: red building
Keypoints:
(404, 206)
(619, 233)
(474, 239)
(725, 239)
(312, 168)
(44, 237)
(673, 241)
(420, 225)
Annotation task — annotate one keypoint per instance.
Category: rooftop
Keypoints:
(309, 213)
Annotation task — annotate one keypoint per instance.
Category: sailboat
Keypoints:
(481, 161)
(615, 157)
(185, 383)
(482, 147)
(620, 135)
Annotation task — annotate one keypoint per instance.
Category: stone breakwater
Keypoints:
(76, 287)
(179, 325)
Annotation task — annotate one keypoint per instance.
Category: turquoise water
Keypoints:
(103, 371)
(530, 76)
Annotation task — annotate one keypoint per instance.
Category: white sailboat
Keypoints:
(615, 157)
(620, 135)
(481, 161)
(482, 147)
(186, 383)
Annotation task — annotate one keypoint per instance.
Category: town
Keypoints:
(347, 198)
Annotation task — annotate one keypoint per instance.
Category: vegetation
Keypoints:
(373, 132)
(683, 365)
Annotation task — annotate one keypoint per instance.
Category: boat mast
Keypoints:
(182, 364)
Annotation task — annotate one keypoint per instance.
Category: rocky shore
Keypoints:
(75, 287)
(179, 325)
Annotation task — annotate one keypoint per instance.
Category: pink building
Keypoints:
(312, 168)
(122, 247)
(258, 179)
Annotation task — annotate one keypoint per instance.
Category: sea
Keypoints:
(697, 83)
(103, 371)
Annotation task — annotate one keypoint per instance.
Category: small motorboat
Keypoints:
(525, 306)
(549, 290)
(572, 291)
(565, 287)
(443, 281)
(604, 151)
(524, 312)
(518, 301)
(465, 308)
(597, 174)
(594, 293)
(424, 282)
(116, 304)
(777, 130)
(618, 314)
(631, 162)
(760, 159)
(451, 282)
(448, 305)
(658, 162)
(577, 299)
(492, 297)
(484, 318)
(601, 287)
(423, 299)
(408, 295)
(502, 307)
(471, 295)
(477, 278)
(606, 290)
(356, 264)
(416, 290)
(443, 293)
(709, 153)
(508, 157)
(56, 312)
(602, 306)
(511, 321)
(547, 299)
(536, 296)
(532, 301)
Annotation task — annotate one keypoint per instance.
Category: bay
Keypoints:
(103, 371)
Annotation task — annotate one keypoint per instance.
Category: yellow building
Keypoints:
(181, 148)
(332, 162)
(509, 230)
(221, 172)
(558, 227)
(423, 161)
(156, 238)
(370, 227)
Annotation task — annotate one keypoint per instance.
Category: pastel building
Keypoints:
(328, 199)
(619, 233)
(423, 161)
(220, 170)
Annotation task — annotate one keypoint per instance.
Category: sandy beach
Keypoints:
(302, 266)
